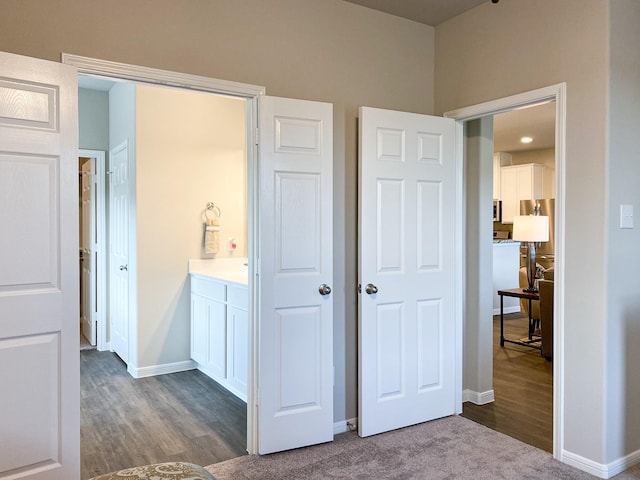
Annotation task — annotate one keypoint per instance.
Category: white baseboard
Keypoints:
(345, 426)
(600, 470)
(161, 369)
(478, 398)
(516, 309)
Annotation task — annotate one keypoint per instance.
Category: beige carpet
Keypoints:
(449, 448)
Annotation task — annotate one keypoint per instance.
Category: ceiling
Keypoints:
(429, 12)
(537, 122)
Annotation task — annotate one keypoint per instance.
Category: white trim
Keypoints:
(478, 398)
(343, 426)
(558, 94)
(163, 369)
(122, 71)
(623, 463)
(460, 267)
(515, 309)
(135, 73)
(601, 470)
(101, 264)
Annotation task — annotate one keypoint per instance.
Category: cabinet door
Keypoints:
(525, 185)
(238, 352)
(199, 329)
(510, 201)
(217, 358)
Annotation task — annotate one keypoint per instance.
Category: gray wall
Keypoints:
(623, 259)
(497, 50)
(93, 119)
(478, 295)
(326, 50)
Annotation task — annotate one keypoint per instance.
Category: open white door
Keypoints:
(406, 269)
(88, 282)
(295, 339)
(39, 331)
(119, 250)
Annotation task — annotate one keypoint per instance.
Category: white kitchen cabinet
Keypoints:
(500, 159)
(506, 266)
(520, 182)
(220, 332)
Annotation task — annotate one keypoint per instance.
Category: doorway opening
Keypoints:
(183, 150)
(478, 161)
(523, 176)
(91, 195)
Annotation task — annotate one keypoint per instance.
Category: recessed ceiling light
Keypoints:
(526, 139)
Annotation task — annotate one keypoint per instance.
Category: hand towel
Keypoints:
(212, 236)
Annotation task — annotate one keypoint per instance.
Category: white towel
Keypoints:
(212, 236)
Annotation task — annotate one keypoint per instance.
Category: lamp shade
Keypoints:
(531, 228)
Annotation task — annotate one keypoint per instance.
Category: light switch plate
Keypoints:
(626, 216)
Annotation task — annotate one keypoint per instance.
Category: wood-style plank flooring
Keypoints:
(523, 386)
(127, 422)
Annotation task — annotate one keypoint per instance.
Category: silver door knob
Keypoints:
(124, 267)
(371, 289)
(324, 289)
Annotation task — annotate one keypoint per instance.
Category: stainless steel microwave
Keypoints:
(497, 210)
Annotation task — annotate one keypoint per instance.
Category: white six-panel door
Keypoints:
(295, 399)
(88, 284)
(406, 269)
(119, 250)
(39, 331)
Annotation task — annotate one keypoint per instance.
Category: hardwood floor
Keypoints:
(126, 422)
(523, 386)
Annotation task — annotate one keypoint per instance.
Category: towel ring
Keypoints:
(214, 209)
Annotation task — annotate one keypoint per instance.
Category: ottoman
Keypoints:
(160, 471)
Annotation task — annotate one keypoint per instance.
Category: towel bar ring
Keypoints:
(213, 209)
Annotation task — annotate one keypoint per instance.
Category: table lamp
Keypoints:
(531, 229)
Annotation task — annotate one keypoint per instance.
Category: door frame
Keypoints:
(152, 76)
(100, 221)
(558, 94)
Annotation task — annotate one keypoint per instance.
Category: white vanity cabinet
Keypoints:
(220, 331)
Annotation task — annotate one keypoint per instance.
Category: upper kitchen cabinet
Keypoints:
(523, 182)
(500, 159)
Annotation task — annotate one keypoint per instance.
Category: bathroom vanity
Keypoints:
(220, 321)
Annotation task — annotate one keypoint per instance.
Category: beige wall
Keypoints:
(623, 257)
(191, 149)
(546, 156)
(497, 50)
(326, 50)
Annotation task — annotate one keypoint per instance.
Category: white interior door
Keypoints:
(87, 265)
(406, 269)
(119, 250)
(295, 400)
(39, 361)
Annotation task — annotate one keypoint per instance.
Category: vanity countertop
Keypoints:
(505, 242)
(231, 270)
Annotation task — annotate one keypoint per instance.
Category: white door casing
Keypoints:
(119, 250)
(295, 344)
(407, 329)
(39, 361)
